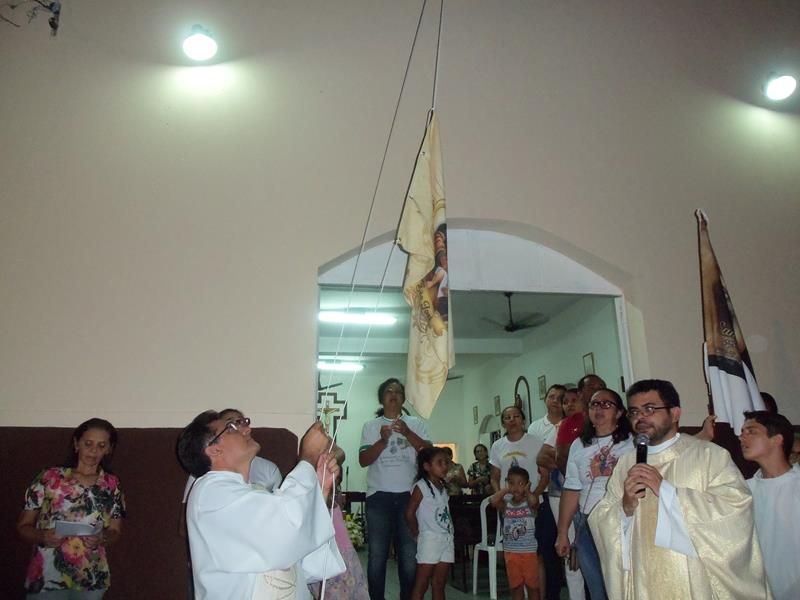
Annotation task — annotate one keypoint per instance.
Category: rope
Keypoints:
(364, 240)
(438, 46)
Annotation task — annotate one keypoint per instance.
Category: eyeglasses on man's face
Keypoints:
(233, 425)
(604, 404)
(645, 411)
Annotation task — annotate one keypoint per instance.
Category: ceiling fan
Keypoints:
(528, 322)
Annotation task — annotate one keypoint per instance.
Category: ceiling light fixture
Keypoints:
(348, 367)
(357, 318)
(780, 87)
(200, 45)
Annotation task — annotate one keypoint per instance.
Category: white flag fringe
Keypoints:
(422, 234)
(728, 371)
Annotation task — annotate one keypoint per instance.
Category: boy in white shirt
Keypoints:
(767, 439)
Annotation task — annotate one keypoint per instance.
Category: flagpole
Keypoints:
(701, 218)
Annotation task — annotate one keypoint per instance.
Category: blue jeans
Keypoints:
(588, 558)
(386, 524)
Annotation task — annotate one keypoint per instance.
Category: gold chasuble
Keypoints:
(718, 515)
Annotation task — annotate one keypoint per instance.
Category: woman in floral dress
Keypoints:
(480, 471)
(83, 492)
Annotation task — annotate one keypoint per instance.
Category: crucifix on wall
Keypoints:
(330, 409)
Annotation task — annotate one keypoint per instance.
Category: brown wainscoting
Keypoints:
(150, 559)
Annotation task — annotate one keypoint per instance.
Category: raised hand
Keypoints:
(315, 442)
(327, 471)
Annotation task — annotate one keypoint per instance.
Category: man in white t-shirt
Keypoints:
(543, 429)
(767, 439)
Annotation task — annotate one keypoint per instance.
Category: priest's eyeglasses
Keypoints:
(604, 404)
(234, 425)
(647, 410)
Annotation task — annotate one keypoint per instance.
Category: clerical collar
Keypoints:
(663, 445)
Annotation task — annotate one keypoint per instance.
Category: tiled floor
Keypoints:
(452, 592)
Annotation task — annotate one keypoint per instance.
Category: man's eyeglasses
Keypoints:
(234, 425)
(604, 404)
(647, 410)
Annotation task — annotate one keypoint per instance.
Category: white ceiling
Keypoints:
(750, 37)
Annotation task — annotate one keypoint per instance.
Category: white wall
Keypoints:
(161, 229)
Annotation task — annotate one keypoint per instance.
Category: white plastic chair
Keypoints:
(490, 549)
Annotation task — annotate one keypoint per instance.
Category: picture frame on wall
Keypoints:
(494, 436)
(542, 387)
(475, 415)
(497, 405)
(588, 364)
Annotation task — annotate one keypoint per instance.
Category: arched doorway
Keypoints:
(585, 325)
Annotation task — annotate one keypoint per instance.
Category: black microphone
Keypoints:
(642, 441)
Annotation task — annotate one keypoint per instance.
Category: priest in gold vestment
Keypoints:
(681, 525)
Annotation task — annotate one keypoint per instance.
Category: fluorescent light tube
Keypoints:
(349, 367)
(357, 318)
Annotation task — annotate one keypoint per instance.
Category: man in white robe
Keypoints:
(767, 439)
(247, 543)
(681, 525)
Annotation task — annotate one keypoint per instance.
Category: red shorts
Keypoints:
(522, 567)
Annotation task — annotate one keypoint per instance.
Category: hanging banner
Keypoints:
(422, 234)
(728, 370)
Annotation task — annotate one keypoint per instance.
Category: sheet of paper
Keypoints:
(70, 529)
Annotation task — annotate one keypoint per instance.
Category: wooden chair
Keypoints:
(465, 512)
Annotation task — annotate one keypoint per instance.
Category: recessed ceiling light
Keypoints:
(357, 318)
(780, 87)
(200, 45)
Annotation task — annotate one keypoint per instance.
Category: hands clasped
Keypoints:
(400, 427)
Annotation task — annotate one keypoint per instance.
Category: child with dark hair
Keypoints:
(428, 518)
(767, 439)
(518, 505)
